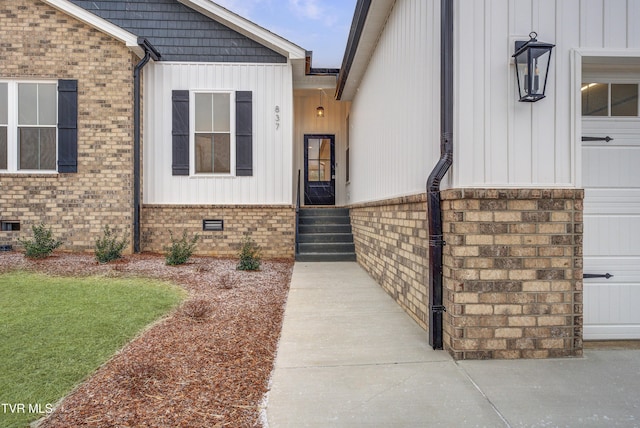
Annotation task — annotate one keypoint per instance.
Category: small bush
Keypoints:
(180, 250)
(108, 247)
(138, 376)
(226, 282)
(249, 255)
(196, 309)
(42, 244)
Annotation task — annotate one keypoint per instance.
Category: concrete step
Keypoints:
(324, 234)
(324, 228)
(327, 247)
(326, 257)
(325, 237)
(325, 219)
(316, 212)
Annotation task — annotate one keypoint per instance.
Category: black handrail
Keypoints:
(297, 213)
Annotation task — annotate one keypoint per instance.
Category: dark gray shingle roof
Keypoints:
(181, 33)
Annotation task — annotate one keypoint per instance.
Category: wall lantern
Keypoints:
(320, 109)
(532, 60)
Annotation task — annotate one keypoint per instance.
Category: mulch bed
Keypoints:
(206, 365)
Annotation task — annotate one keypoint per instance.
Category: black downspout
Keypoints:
(149, 53)
(434, 208)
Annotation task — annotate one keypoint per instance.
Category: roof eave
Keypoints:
(368, 23)
(130, 40)
(247, 28)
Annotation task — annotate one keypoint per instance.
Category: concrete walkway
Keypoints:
(350, 357)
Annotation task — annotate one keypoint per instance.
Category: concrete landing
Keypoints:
(350, 357)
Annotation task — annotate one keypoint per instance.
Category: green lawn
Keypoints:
(55, 331)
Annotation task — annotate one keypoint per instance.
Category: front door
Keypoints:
(319, 170)
(611, 178)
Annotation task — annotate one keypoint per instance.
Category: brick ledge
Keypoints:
(537, 193)
(401, 200)
(214, 206)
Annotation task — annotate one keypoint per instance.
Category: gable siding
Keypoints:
(181, 33)
(498, 140)
(271, 182)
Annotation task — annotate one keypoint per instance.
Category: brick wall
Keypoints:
(391, 240)
(271, 227)
(39, 42)
(513, 273)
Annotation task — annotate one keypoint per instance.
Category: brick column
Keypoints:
(513, 273)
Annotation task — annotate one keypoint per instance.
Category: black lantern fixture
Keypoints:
(532, 60)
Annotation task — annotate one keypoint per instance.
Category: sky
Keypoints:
(321, 26)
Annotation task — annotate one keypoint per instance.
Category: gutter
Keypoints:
(434, 210)
(150, 52)
(359, 19)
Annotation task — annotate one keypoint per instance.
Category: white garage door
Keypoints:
(611, 178)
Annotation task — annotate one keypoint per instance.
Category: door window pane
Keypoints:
(595, 99)
(624, 99)
(37, 148)
(313, 148)
(319, 159)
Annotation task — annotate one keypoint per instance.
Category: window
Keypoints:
(4, 122)
(319, 159)
(212, 133)
(348, 155)
(610, 99)
(28, 126)
(37, 126)
(215, 154)
(9, 226)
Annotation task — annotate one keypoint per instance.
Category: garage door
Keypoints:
(611, 178)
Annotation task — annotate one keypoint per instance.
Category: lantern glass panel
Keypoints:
(540, 64)
(523, 73)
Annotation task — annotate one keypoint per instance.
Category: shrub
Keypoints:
(226, 282)
(108, 247)
(249, 255)
(197, 309)
(180, 250)
(42, 244)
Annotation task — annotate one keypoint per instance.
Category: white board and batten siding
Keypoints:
(272, 87)
(500, 142)
(394, 117)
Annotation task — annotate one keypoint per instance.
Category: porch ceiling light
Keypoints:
(320, 109)
(532, 60)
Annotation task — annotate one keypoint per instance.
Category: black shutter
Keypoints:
(68, 126)
(180, 133)
(244, 133)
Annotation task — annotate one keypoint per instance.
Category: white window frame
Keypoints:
(13, 166)
(192, 133)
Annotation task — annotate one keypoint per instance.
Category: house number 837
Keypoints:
(277, 116)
